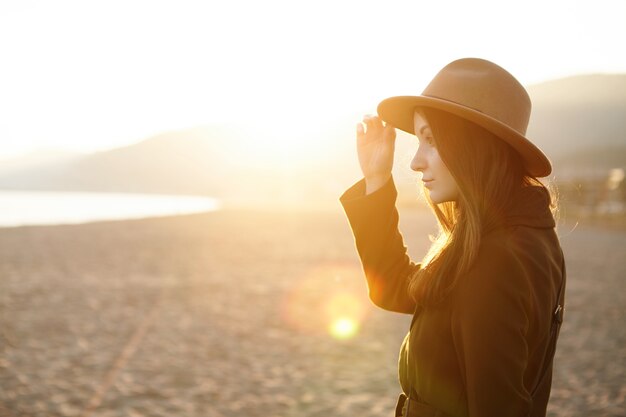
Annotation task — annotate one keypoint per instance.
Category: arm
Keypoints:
(489, 327)
(374, 222)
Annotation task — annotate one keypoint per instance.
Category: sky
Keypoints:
(85, 75)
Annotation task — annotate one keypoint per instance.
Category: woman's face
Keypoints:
(435, 174)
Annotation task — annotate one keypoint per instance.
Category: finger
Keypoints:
(375, 122)
(371, 119)
(360, 132)
(374, 126)
(389, 132)
(369, 128)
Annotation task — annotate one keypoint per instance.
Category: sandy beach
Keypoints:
(228, 313)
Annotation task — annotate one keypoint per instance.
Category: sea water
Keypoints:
(18, 208)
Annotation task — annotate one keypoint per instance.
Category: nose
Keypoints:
(419, 161)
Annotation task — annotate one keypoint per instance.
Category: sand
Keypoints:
(227, 313)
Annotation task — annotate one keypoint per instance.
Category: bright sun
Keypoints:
(292, 139)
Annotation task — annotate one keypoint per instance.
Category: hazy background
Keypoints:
(578, 121)
(257, 101)
(257, 305)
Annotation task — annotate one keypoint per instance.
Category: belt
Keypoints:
(411, 407)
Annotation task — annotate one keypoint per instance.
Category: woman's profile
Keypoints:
(487, 299)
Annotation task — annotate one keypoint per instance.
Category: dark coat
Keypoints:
(481, 352)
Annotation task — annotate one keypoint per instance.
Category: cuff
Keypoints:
(361, 207)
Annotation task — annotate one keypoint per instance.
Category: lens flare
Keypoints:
(344, 311)
(343, 328)
(327, 300)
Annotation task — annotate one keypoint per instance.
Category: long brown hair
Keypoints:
(487, 172)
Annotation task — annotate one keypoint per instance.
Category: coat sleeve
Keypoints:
(489, 323)
(374, 222)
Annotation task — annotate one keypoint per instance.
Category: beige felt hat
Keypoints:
(481, 92)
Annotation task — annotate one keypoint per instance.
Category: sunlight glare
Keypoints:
(343, 328)
(327, 300)
(344, 311)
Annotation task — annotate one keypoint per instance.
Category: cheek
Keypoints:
(444, 173)
(438, 164)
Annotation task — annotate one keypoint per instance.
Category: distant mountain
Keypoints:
(37, 159)
(182, 162)
(590, 89)
(580, 122)
(590, 163)
(222, 161)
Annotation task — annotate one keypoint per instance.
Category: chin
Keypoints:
(438, 199)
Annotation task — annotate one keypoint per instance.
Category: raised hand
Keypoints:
(375, 148)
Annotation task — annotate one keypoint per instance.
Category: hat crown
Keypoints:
(480, 92)
(485, 87)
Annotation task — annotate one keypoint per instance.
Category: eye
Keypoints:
(429, 140)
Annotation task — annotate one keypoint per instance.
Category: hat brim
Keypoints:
(399, 111)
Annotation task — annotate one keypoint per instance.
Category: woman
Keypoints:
(487, 298)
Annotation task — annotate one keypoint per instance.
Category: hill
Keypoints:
(580, 122)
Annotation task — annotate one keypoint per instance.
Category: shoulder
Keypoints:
(499, 270)
(499, 252)
(495, 294)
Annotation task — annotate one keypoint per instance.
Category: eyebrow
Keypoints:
(422, 129)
